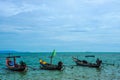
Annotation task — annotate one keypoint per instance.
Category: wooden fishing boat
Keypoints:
(87, 64)
(48, 66)
(12, 65)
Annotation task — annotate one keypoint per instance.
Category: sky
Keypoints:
(63, 25)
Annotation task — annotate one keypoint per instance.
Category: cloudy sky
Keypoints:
(64, 25)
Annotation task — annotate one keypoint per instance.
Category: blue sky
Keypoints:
(64, 25)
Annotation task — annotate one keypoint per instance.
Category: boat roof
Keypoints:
(89, 56)
(13, 57)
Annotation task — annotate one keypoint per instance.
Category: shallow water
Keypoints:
(70, 72)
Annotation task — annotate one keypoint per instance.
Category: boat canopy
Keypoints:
(13, 57)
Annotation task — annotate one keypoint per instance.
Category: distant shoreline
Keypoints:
(7, 52)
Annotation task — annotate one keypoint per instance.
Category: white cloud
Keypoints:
(15, 29)
(109, 21)
(62, 21)
(75, 38)
(10, 8)
(96, 2)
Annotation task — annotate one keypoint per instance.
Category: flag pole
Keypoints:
(51, 57)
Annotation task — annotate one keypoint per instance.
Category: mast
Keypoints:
(51, 60)
(51, 57)
(14, 60)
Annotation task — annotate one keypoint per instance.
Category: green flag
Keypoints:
(53, 53)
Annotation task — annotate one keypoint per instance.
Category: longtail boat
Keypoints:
(87, 64)
(49, 66)
(12, 65)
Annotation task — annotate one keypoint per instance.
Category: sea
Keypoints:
(109, 70)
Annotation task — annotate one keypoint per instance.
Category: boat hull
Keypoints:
(19, 68)
(47, 66)
(86, 64)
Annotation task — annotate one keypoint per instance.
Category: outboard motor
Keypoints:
(22, 63)
(98, 62)
(60, 65)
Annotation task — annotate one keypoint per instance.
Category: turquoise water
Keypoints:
(71, 72)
